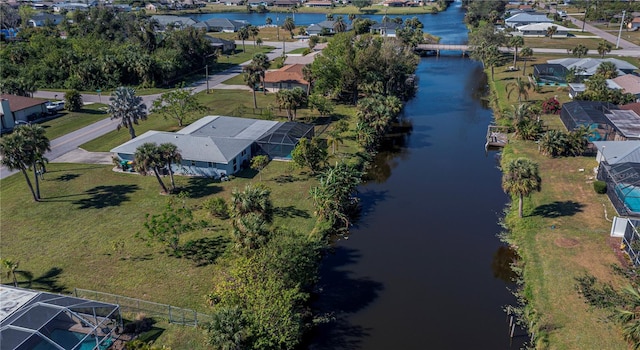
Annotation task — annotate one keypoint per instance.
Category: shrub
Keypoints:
(551, 106)
(217, 207)
(73, 101)
(600, 187)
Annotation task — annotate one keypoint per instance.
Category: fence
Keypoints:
(630, 240)
(170, 313)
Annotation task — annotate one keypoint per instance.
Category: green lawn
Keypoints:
(71, 121)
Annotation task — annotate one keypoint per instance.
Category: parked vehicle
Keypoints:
(54, 106)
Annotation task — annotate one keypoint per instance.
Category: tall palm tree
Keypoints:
(516, 42)
(580, 50)
(253, 32)
(553, 143)
(170, 155)
(254, 199)
(261, 61)
(147, 156)
(608, 70)
(251, 79)
(520, 86)
(11, 267)
(38, 144)
(520, 178)
(333, 139)
(551, 31)
(289, 25)
(15, 155)
(243, 34)
(604, 48)
(525, 53)
(128, 108)
(339, 25)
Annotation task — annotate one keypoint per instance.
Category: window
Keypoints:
(212, 165)
(244, 152)
(193, 163)
(235, 161)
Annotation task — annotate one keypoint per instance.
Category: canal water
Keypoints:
(424, 269)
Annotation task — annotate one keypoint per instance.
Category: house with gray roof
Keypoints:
(540, 30)
(324, 28)
(222, 44)
(221, 25)
(387, 29)
(586, 67)
(43, 19)
(217, 145)
(524, 18)
(178, 22)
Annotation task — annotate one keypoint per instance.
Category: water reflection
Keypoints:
(503, 259)
(393, 149)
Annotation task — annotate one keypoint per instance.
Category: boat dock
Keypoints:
(496, 136)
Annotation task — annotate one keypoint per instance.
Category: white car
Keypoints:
(54, 106)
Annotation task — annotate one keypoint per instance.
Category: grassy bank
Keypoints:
(337, 10)
(564, 234)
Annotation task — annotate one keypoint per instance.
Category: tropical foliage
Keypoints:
(127, 108)
(178, 104)
(520, 178)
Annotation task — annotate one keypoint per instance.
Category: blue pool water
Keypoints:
(630, 195)
(68, 339)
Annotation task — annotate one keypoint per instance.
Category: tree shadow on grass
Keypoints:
(47, 281)
(339, 295)
(204, 251)
(290, 212)
(106, 196)
(246, 173)
(199, 187)
(558, 209)
(66, 177)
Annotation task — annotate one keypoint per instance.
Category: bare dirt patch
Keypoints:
(564, 242)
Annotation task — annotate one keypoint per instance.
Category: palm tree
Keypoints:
(492, 57)
(147, 156)
(520, 177)
(329, 16)
(525, 53)
(243, 34)
(604, 48)
(254, 199)
(170, 155)
(37, 144)
(339, 25)
(551, 31)
(127, 107)
(11, 267)
(333, 139)
(268, 21)
(520, 86)
(516, 42)
(253, 32)
(289, 25)
(15, 154)
(553, 143)
(629, 316)
(290, 100)
(228, 329)
(580, 50)
(261, 61)
(608, 70)
(251, 79)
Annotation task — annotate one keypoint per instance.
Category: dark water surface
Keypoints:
(424, 269)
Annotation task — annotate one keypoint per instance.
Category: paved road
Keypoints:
(70, 142)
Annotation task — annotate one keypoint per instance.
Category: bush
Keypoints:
(73, 101)
(217, 207)
(600, 187)
(551, 106)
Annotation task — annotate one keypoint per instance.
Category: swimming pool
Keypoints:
(68, 339)
(630, 195)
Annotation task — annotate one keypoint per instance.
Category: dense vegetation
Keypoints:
(103, 49)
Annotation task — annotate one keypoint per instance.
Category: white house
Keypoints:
(524, 18)
(15, 109)
(540, 29)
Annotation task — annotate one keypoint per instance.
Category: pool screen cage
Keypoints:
(623, 186)
(631, 241)
(39, 320)
(280, 142)
(591, 114)
(550, 73)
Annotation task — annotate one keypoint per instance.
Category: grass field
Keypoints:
(564, 234)
(71, 121)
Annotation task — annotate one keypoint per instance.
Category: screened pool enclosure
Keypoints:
(33, 320)
(280, 142)
(623, 186)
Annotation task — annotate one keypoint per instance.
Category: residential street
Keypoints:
(63, 145)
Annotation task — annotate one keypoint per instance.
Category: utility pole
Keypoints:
(206, 75)
(584, 19)
(620, 31)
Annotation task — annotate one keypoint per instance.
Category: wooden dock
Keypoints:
(496, 137)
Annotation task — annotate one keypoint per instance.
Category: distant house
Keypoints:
(234, 2)
(72, 6)
(525, 18)
(178, 22)
(586, 67)
(540, 29)
(43, 19)
(15, 109)
(222, 44)
(221, 25)
(217, 145)
(629, 83)
(322, 3)
(386, 29)
(396, 3)
(634, 24)
(287, 77)
(286, 3)
(606, 121)
(324, 28)
(154, 7)
(576, 89)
